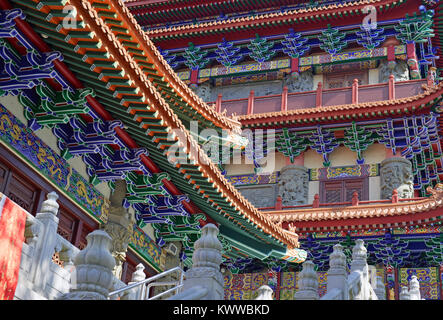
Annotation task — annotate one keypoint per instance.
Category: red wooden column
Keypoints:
(284, 99)
(194, 77)
(319, 96)
(391, 84)
(251, 102)
(355, 91)
(218, 103)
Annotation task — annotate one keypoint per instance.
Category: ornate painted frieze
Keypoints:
(16, 135)
(146, 247)
(358, 171)
(249, 179)
(427, 277)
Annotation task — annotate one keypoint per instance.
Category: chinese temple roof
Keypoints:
(107, 52)
(320, 14)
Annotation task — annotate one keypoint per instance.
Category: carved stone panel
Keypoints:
(396, 173)
(204, 91)
(400, 71)
(293, 185)
(300, 83)
(260, 195)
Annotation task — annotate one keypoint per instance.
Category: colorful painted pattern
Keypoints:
(370, 170)
(244, 286)
(15, 134)
(428, 279)
(146, 247)
(244, 68)
(253, 179)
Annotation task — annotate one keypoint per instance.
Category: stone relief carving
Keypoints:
(204, 91)
(302, 82)
(293, 185)
(260, 196)
(400, 71)
(396, 173)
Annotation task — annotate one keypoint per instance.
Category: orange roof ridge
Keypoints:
(178, 85)
(156, 101)
(279, 15)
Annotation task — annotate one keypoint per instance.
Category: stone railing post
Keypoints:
(404, 293)
(93, 277)
(337, 273)
(414, 289)
(205, 271)
(359, 264)
(46, 243)
(308, 283)
(380, 289)
(264, 293)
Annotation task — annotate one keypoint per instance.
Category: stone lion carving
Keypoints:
(301, 82)
(396, 173)
(400, 71)
(293, 185)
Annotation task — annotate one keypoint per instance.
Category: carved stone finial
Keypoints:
(264, 293)
(404, 293)
(139, 274)
(337, 259)
(307, 283)
(208, 248)
(93, 269)
(359, 252)
(414, 288)
(50, 205)
(205, 271)
(380, 289)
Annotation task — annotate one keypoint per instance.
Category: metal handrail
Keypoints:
(158, 276)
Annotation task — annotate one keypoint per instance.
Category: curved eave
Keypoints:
(329, 12)
(217, 191)
(420, 212)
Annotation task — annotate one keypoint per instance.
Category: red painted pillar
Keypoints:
(391, 84)
(284, 99)
(412, 61)
(391, 54)
(355, 91)
(278, 203)
(354, 199)
(319, 96)
(251, 102)
(316, 202)
(218, 103)
(194, 77)
(294, 65)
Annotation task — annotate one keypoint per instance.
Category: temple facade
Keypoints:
(290, 131)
